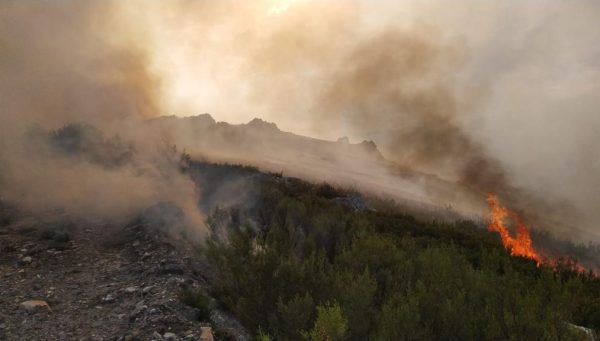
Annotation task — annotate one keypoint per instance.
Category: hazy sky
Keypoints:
(457, 88)
(520, 78)
(508, 51)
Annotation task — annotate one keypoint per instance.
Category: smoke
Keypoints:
(75, 85)
(325, 62)
(499, 97)
(62, 62)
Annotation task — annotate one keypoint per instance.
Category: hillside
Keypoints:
(64, 278)
(289, 170)
(277, 256)
(304, 259)
(283, 254)
(359, 165)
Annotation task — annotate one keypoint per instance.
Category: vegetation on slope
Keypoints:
(299, 265)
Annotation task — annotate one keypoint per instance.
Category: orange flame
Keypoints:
(521, 244)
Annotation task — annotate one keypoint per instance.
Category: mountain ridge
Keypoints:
(262, 144)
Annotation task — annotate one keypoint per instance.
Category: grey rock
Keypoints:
(172, 269)
(355, 202)
(170, 336)
(139, 307)
(109, 298)
(131, 290)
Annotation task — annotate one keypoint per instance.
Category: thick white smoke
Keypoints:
(496, 93)
(500, 96)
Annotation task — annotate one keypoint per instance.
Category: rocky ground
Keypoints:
(62, 279)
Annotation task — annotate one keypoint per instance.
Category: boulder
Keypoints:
(170, 336)
(35, 305)
(206, 334)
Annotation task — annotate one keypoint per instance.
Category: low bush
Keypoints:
(196, 298)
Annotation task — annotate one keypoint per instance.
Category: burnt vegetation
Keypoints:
(85, 142)
(297, 253)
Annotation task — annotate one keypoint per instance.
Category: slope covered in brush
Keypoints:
(300, 261)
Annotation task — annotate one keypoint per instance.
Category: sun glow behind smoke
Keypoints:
(280, 6)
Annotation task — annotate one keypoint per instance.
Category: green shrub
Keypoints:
(331, 325)
(262, 336)
(197, 299)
